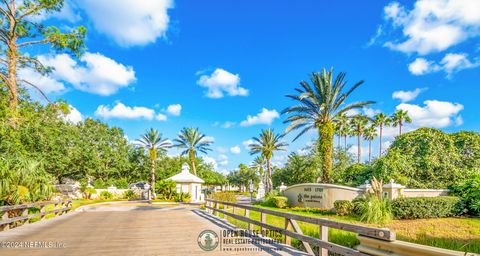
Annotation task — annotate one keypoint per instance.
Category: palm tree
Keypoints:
(342, 128)
(319, 105)
(192, 140)
(259, 164)
(399, 118)
(381, 120)
(369, 135)
(359, 122)
(153, 142)
(266, 144)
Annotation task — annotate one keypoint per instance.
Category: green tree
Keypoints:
(399, 118)
(266, 144)
(358, 124)
(19, 29)
(318, 107)
(192, 140)
(298, 169)
(369, 135)
(381, 120)
(153, 142)
(259, 164)
(342, 127)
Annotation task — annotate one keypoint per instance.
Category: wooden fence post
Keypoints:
(217, 205)
(42, 209)
(247, 214)
(5, 218)
(288, 240)
(263, 219)
(324, 237)
(225, 208)
(24, 214)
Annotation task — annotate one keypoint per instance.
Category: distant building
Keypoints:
(189, 183)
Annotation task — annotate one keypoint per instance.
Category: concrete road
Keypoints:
(127, 228)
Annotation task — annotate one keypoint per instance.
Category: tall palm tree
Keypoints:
(318, 106)
(369, 135)
(381, 120)
(358, 123)
(153, 142)
(266, 144)
(193, 141)
(399, 118)
(259, 164)
(342, 128)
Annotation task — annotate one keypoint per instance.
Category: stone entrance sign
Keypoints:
(319, 195)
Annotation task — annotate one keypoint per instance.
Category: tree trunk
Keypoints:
(369, 151)
(12, 68)
(359, 149)
(268, 178)
(380, 137)
(154, 196)
(400, 128)
(325, 149)
(191, 155)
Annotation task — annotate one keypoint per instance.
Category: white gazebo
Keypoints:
(189, 183)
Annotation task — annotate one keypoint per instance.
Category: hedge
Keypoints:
(343, 207)
(280, 201)
(426, 207)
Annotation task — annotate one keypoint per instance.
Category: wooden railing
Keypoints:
(17, 215)
(291, 228)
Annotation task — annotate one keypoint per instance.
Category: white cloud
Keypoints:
(451, 63)
(235, 150)
(264, 117)
(74, 116)
(161, 117)
(421, 66)
(227, 124)
(211, 161)
(121, 111)
(96, 73)
(174, 109)
(209, 138)
(222, 160)
(46, 84)
(370, 112)
(434, 113)
(433, 25)
(246, 143)
(221, 82)
(129, 22)
(405, 96)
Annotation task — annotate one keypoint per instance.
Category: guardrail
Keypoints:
(373, 241)
(17, 215)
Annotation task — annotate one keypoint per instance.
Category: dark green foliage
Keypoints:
(343, 207)
(182, 197)
(426, 207)
(166, 189)
(358, 206)
(354, 175)
(105, 195)
(298, 169)
(376, 210)
(280, 201)
(243, 176)
(469, 192)
(430, 158)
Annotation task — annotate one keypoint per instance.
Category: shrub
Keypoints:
(121, 183)
(358, 206)
(105, 195)
(269, 199)
(426, 207)
(280, 201)
(129, 194)
(376, 210)
(224, 197)
(182, 197)
(100, 184)
(166, 188)
(343, 207)
(469, 192)
(88, 192)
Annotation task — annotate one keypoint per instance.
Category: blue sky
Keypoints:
(214, 64)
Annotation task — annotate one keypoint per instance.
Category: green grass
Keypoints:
(460, 234)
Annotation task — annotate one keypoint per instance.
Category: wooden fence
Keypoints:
(17, 215)
(373, 241)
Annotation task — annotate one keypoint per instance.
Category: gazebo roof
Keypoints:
(185, 176)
